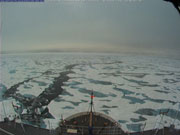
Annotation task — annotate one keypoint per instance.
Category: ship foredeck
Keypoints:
(79, 124)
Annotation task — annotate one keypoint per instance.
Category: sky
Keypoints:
(139, 26)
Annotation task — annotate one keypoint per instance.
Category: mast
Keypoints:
(91, 104)
(91, 115)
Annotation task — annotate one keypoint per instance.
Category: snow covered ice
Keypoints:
(132, 89)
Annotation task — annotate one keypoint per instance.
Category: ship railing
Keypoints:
(84, 130)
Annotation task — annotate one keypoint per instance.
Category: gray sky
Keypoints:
(149, 26)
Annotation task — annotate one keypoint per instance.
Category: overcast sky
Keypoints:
(149, 26)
